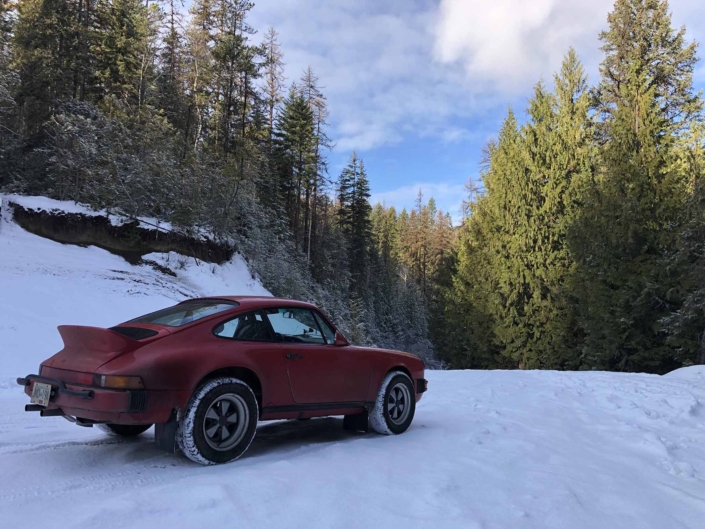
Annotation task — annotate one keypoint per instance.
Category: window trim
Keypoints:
(216, 301)
(312, 310)
(318, 316)
(233, 339)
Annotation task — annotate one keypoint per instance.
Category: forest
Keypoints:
(582, 244)
(138, 107)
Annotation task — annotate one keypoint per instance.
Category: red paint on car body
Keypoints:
(321, 379)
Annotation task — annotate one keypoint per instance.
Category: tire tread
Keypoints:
(184, 433)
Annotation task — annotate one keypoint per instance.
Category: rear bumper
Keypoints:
(96, 404)
(59, 385)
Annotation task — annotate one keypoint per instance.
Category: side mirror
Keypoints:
(340, 341)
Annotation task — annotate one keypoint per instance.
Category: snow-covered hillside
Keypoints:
(486, 450)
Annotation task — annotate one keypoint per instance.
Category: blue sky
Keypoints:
(418, 87)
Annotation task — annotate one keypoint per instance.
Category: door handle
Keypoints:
(294, 356)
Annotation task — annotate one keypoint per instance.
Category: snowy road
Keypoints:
(487, 450)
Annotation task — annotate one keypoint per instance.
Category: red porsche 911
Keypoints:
(206, 370)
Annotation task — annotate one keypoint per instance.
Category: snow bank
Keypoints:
(38, 203)
(44, 284)
(696, 373)
(50, 204)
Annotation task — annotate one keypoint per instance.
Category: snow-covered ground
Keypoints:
(486, 450)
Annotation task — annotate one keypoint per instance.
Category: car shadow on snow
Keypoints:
(287, 436)
(281, 438)
(272, 439)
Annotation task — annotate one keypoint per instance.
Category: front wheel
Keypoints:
(395, 405)
(124, 430)
(219, 422)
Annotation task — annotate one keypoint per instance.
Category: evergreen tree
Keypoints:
(622, 289)
(317, 103)
(361, 229)
(119, 48)
(685, 325)
(642, 47)
(273, 76)
(45, 40)
(296, 143)
(199, 71)
(8, 78)
(170, 81)
(354, 213)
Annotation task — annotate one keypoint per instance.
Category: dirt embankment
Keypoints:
(130, 240)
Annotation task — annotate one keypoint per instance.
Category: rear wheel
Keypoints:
(219, 422)
(124, 430)
(395, 405)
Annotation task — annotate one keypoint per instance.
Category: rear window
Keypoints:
(185, 313)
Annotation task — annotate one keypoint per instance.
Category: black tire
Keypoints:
(219, 422)
(395, 405)
(124, 430)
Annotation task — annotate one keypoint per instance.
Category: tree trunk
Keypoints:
(701, 350)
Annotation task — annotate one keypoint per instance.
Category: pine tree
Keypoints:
(622, 291)
(361, 235)
(198, 74)
(345, 190)
(556, 142)
(296, 142)
(273, 76)
(8, 78)
(45, 40)
(641, 44)
(486, 299)
(311, 91)
(236, 70)
(354, 213)
(171, 96)
(120, 50)
(686, 324)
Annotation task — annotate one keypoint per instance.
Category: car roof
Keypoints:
(255, 302)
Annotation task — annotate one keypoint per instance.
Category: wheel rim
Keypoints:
(225, 423)
(399, 403)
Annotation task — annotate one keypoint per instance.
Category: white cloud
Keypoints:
(435, 67)
(509, 44)
(375, 60)
(448, 197)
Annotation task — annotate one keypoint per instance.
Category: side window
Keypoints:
(249, 327)
(328, 333)
(295, 326)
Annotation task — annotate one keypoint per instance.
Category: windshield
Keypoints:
(186, 312)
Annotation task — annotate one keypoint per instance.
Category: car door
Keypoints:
(319, 371)
(248, 342)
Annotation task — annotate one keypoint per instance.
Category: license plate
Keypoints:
(41, 393)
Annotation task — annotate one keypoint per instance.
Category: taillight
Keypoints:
(118, 382)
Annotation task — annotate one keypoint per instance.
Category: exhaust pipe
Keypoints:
(51, 413)
(43, 412)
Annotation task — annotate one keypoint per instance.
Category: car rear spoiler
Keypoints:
(81, 338)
